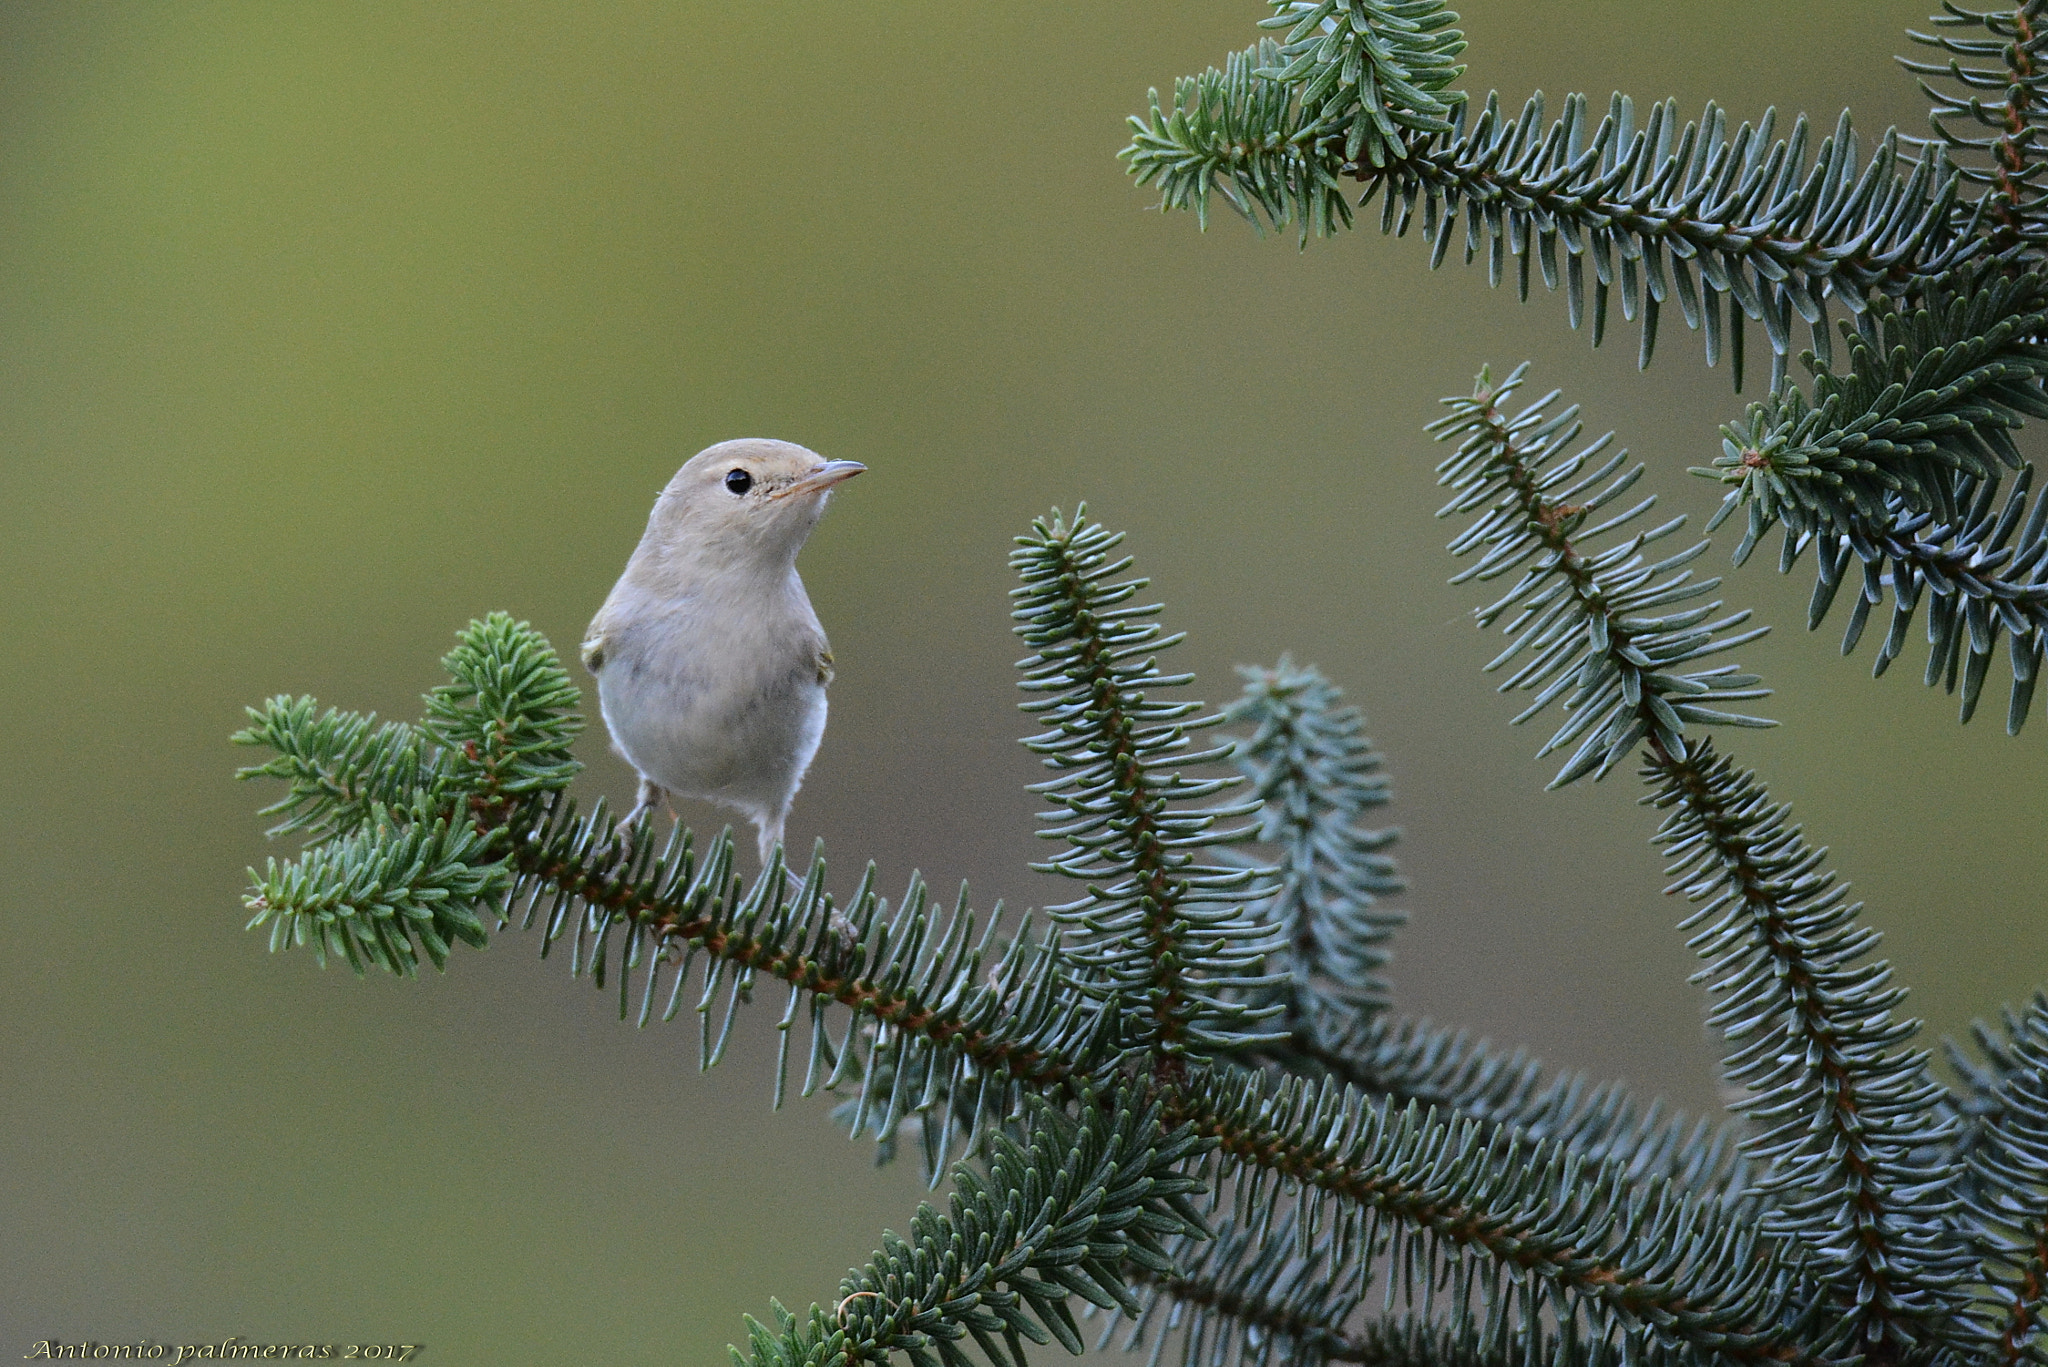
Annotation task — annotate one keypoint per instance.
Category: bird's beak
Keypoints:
(833, 472)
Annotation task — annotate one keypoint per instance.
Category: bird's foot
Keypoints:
(633, 825)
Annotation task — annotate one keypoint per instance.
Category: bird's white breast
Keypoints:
(718, 700)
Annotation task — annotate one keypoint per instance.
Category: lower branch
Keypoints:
(1533, 1209)
(1847, 1121)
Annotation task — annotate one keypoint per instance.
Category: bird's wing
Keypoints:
(824, 663)
(593, 644)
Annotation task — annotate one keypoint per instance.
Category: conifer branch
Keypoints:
(406, 851)
(1247, 1297)
(338, 765)
(1315, 775)
(1581, 1239)
(506, 718)
(1375, 72)
(1166, 933)
(949, 1027)
(1220, 1324)
(422, 833)
(789, 936)
(1737, 227)
(1983, 572)
(1058, 1215)
(2004, 151)
(1240, 134)
(1899, 464)
(1848, 1126)
(382, 894)
(2008, 1190)
(1929, 394)
(1258, 1295)
(1409, 1061)
(1746, 226)
(1311, 767)
(1588, 622)
(1852, 1136)
(1314, 772)
(1987, 1069)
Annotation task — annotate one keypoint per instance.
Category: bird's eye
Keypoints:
(739, 481)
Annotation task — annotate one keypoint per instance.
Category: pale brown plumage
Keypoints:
(710, 662)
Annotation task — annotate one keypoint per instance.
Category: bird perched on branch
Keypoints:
(711, 666)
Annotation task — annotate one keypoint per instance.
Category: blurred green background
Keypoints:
(325, 328)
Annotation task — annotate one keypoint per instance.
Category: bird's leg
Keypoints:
(650, 796)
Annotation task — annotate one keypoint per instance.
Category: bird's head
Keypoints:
(746, 503)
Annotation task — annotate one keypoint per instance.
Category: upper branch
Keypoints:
(1900, 461)
(1588, 624)
(1998, 63)
(1737, 226)
(1853, 1146)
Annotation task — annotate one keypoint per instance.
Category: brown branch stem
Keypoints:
(1331, 1343)
(1807, 1024)
(603, 887)
(1520, 1244)
(1140, 805)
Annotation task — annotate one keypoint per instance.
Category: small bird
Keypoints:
(710, 663)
